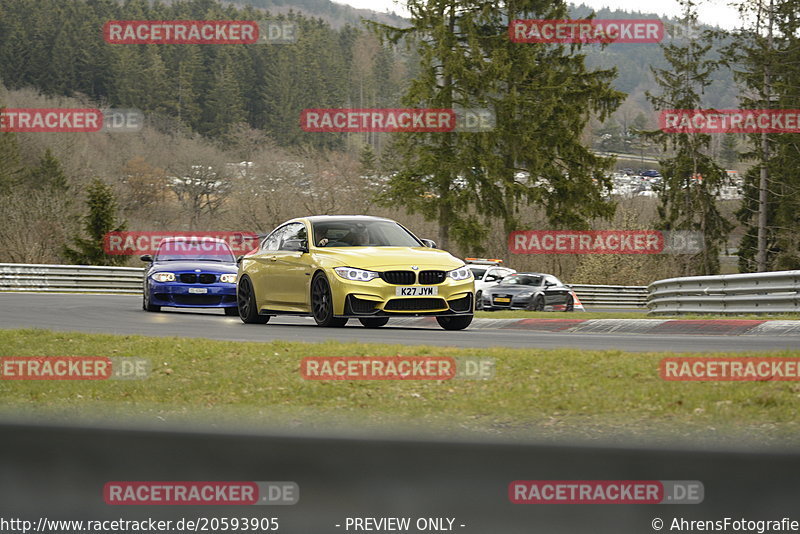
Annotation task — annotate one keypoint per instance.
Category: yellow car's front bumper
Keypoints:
(379, 298)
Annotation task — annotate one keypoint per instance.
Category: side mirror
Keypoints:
(429, 243)
(239, 259)
(296, 245)
(147, 258)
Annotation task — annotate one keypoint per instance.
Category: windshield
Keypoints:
(361, 233)
(477, 272)
(195, 250)
(521, 280)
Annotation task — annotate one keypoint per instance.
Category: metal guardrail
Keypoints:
(88, 279)
(70, 278)
(611, 296)
(755, 293)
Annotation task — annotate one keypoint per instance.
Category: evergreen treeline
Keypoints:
(57, 47)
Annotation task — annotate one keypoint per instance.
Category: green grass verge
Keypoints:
(622, 314)
(536, 394)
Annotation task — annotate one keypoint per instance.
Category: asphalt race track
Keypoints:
(122, 314)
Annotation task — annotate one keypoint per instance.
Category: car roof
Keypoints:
(192, 238)
(320, 218)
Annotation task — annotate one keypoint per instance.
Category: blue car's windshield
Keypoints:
(195, 250)
(361, 233)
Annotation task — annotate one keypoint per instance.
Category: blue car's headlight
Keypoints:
(228, 278)
(462, 273)
(163, 277)
(357, 275)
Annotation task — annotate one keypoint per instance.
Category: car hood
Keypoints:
(191, 265)
(390, 257)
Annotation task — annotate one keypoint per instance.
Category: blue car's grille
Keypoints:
(192, 278)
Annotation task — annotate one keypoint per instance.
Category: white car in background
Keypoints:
(487, 273)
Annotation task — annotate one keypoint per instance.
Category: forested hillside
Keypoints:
(56, 48)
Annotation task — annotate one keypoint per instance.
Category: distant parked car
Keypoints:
(528, 291)
(651, 173)
(187, 273)
(487, 273)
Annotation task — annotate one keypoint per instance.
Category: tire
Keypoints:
(536, 304)
(146, 306)
(570, 304)
(246, 303)
(322, 303)
(454, 322)
(479, 300)
(231, 311)
(374, 322)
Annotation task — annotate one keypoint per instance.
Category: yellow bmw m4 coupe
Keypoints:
(335, 268)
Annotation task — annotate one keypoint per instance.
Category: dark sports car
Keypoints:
(528, 291)
(191, 274)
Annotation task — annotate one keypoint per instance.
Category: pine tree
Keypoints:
(367, 160)
(765, 55)
(100, 220)
(728, 153)
(225, 104)
(48, 175)
(542, 97)
(691, 176)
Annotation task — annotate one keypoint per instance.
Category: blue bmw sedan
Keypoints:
(188, 273)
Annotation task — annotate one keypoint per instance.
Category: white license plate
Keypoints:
(198, 290)
(416, 291)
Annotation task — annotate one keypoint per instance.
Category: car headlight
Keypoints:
(228, 278)
(462, 273)
(525, 294)
(163, 277)
(357, 275)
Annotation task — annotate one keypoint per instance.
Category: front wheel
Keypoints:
(536, 304)
(479, 300)
(246, 301)
(146, 306)
(374, 322)
(322, 303)
(454, 322)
